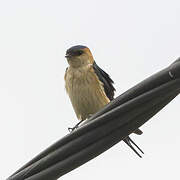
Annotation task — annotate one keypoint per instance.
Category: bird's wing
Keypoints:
(109, 90)
(106, 80)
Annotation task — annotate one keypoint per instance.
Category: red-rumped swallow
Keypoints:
(89, 87)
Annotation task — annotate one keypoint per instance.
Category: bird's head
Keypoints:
(78, 56)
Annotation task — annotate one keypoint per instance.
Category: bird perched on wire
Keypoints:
(89, 87)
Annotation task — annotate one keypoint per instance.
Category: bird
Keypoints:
(89, 87)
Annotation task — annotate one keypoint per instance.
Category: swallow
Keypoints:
(89, 87)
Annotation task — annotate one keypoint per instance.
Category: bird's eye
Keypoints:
(79, 52)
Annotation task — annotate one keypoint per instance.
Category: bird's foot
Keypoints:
(75, 127)
(72, 129)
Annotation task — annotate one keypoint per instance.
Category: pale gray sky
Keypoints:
(129, 39)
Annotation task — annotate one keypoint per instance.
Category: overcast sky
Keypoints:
(129, 39)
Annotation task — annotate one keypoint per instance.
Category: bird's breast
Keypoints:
(85, 90)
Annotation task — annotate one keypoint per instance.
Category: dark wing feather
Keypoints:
(106, 80)
(109, 90)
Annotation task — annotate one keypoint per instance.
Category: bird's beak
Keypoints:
(68, 56)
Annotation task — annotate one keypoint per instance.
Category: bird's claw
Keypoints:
(72, 129)
(75, 127)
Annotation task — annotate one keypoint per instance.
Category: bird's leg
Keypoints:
(75, 127)
(128, 141)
